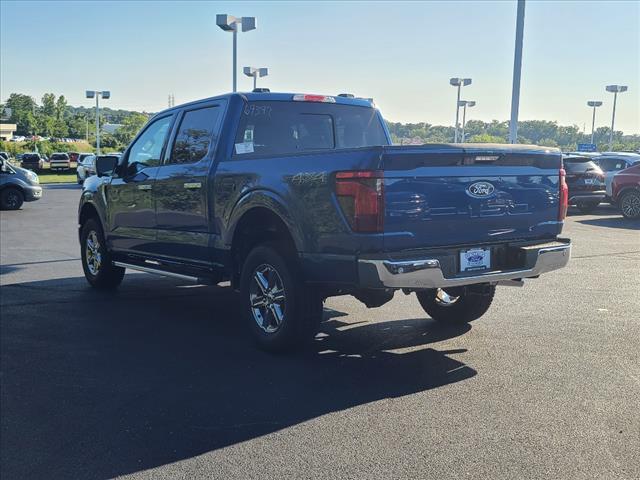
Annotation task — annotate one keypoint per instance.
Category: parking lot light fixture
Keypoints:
(615, 89)
(464, 104)
(105, 94)
(595, 104)
(458, 82)
(229, 23)
(255, 73)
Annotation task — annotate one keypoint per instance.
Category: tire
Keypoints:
(281, 311)
(79, 180)
(457, 305)
(587, 207)
(630, 204)
(11, 198)
(96, 259)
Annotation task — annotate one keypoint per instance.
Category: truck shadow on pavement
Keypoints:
(612, 222)
(100, 385)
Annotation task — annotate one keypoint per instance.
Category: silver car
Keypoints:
(86, 167)
(612, 163)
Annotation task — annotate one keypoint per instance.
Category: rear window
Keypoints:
(273, 128)
(59, 156)
(30, 156)
(579, 165)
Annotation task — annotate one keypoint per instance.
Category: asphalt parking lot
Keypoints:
(158, 380)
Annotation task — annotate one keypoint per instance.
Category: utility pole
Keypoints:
(517, 71)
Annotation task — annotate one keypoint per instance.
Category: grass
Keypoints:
(47, 176)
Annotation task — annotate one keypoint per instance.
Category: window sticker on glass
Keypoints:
(244, 147)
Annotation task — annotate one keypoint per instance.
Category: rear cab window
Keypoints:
(280, 127)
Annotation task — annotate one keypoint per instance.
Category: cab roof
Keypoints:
(277, 97)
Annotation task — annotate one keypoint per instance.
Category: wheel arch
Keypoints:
(262, 218)
(89, 210)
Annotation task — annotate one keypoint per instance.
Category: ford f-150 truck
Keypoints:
(294, 198)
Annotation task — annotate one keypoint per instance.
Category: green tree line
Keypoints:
(55, 119)
(536, 132)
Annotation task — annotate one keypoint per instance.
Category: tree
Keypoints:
(131, 125)
(60, 129)
(487, 138)
(61, 107)
(49, 104)
(22, 110)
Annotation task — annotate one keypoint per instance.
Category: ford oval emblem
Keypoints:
(480, 189)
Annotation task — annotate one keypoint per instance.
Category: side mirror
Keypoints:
(105, 166)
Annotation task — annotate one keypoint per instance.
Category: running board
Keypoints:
(159, 272)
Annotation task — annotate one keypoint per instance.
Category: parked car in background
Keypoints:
(86, 167)
(585, 180)
(32, 161)
(60, 162)
(612, 163)
(17, 185)
(626, 191)
(73, 156)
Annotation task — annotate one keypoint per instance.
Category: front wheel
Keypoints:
(11, 199)
(630, 204)
(458, 304)
(96, 259)
(281, 311)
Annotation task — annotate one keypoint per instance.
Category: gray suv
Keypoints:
(17, 185)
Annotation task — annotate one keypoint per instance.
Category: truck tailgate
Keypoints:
(447, 195)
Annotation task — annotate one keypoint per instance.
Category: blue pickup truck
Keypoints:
(294, 198)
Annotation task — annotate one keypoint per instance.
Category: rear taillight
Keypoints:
(564, 196)
(361, 197)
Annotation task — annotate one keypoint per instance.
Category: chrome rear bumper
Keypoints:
(426, 272)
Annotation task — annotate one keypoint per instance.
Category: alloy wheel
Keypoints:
(631, 205)
(93, 255)
(267, 298)
(12, 199)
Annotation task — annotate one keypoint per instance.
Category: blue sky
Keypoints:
(401, 54)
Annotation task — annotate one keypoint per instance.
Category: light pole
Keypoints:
(615, 89)
(458, 82)
(595, 104)
(464, 104)
(255, 73)
(229, 23)
(517, 71)
(105, 94)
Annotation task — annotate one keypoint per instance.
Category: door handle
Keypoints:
(192, 185)
(144, 187)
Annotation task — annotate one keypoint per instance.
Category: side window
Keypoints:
(146, 150)
(196, 136)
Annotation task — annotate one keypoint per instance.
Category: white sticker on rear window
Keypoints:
(244, 147)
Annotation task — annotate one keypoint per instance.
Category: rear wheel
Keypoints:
(96, 259)
(281, 311)
(587, 207)
(457, 305)
(11, 199)
(630, 204)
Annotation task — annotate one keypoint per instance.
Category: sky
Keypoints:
(402, 54)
